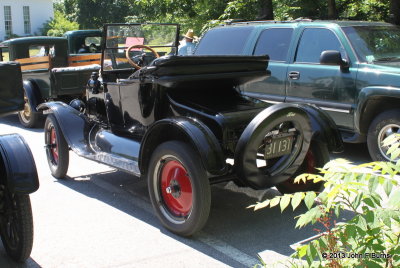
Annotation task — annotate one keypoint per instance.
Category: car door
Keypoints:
(330, 87)
(275, 43)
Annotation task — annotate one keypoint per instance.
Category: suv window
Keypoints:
(313, 42)
(275, 43)
(224, 41)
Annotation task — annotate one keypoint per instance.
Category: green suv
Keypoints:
(350, 69)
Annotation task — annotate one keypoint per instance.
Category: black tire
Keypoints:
(171, 204)
(56, 148)
(27, 117)
(16, 225)
(380, 128)
(316, 157)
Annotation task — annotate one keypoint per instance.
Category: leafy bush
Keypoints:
(58, 25)
(371, 192)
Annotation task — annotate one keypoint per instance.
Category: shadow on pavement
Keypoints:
(248, 231)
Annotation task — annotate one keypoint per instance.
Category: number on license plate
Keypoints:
(278, 147)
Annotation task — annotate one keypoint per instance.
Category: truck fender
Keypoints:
(374, 92)
(308, 122)
(190, 130)
(17, 165)
(33, 94)
(74, 125)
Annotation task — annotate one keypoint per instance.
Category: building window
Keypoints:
(8, 20)
(27, 20)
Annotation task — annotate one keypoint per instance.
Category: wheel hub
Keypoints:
(174, 189)
(383, 134)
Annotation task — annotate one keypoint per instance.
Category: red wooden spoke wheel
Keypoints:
(54, 146)
(316, 156)
(57, 150)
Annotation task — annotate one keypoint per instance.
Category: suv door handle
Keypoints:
(294, 75)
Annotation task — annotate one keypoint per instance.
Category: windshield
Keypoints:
(163, 38)
(375, 43)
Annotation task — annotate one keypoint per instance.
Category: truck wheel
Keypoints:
(16, 225)
(178, 187)
(56, 148)
(27, 117)
(381, 127)
(317, 156)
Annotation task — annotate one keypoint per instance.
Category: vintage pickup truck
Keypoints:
(18, 172)
(48, 71)
(180, 122)
(350, 69)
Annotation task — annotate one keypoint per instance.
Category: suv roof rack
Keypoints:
(239, 21)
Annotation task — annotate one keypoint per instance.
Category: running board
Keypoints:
(124, 164)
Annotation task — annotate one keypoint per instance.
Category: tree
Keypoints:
(58, 25)
(332, 11)
(266, 10)
(395, 11)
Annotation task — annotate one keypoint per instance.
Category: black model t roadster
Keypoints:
(18, 171)
(182, 122)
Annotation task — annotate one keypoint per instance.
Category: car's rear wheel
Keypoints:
(178, 187)
(27, 117)
(16, 224)
(384, 125)
(56, 148)
(317, 156)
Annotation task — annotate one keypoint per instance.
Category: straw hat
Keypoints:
(190, 34)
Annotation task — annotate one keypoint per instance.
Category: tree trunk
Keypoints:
(332, 11)
(395, 12)
(266, 10)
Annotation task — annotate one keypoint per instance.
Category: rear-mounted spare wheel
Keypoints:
(273, 146)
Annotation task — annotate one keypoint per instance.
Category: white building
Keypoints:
(24, 17)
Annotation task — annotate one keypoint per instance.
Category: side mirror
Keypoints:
(333, 57)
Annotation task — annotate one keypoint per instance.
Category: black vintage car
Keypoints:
(18, 172)
(181, 122)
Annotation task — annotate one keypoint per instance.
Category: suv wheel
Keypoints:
(382, 126)
(178, 187)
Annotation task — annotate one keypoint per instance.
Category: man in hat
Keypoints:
(188, 47)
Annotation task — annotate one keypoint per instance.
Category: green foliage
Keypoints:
(58, 25)
(371, 192)
(201, 15)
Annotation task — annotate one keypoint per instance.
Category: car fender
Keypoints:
(74, 125)
(190, 130)
(18, 165)
(33, 94)
(324, 128)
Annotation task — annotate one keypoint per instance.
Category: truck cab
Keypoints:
(49, 72)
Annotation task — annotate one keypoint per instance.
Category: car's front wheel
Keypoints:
(16, 224)
(56, 148)
(384, 125)
(178, 187)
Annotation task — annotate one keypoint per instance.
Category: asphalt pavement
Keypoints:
(100, 217)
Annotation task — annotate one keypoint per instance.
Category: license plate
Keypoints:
(278, 147)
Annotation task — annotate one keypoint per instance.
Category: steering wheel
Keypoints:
(138, 46)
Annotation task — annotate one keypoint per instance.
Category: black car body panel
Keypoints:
(183, 115)
(18, 164)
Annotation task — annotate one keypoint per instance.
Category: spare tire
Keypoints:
(281, 125)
